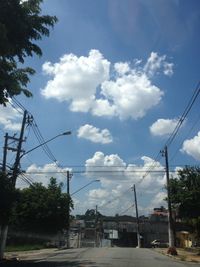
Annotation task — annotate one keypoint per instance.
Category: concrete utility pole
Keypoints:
(170, 219)
(137, 218)
(68, 210)
(19, 150)
(96, 224)
(5, 153)
(4, 227)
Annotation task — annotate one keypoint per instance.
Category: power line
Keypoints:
(176, 129)
(184, 115)
(127, 209)
(183, 139)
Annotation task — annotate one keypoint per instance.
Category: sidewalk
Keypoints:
(30, 254)
(183, 255)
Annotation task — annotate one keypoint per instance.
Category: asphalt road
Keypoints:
(98, 257)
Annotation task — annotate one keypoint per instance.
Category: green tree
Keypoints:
(21, 24)
(8, 196)
(185, 195)
(41, 209)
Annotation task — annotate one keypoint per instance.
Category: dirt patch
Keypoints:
(183, 255)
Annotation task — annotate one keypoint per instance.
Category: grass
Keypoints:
(27, 247)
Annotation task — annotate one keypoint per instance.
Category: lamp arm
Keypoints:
(40, 145)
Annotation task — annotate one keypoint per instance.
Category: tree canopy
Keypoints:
(21, 24)
(185, 195)
(41, 209)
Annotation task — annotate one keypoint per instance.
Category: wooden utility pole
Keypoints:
(170, 219)
(137, 218)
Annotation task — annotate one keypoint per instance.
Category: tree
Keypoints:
(8, 195)
(185, 195)
(20, 25)
(41, 209)
(92, 215)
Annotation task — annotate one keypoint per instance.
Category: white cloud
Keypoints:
(75, 79)
(9, 118)
(117, 178)
(158, 200)
(192, 147)
(132, 94)
(155, 63)
(88, 84)
(43, 174)
(94, 134)
(122, 68)
(163, 127)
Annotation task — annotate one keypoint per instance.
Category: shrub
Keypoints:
(172, 251)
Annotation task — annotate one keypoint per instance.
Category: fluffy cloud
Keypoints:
(94, 134)
(43, 174)
(192, 147)
(89, 84)
(117, 178)
(163, 127)
(75, 79)
(155, 63)
(9, 118)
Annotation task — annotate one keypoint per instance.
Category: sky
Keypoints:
(119, 75)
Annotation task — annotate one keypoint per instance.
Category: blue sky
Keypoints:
(118, 74)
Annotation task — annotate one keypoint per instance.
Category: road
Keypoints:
(99, 257)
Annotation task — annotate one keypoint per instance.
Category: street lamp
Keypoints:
(85, 186)
(65, 133)
(18, 156)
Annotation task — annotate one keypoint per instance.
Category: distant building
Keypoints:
(159, 214)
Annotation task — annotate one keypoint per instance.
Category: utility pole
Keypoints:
(19, 147)
(137, 218)
(5, 153)
(4, 226)
(96, 225)
(68, 209)
(170, 219)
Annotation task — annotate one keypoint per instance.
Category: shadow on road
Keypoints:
(74, 263)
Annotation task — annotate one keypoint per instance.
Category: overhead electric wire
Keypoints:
(127, 209)
(37, 133)
(114, 199)
(185, 113)
(176, 129)
(25, 179)
(183, 139)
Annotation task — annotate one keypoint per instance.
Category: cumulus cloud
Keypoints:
(192, 147)
(163, 127)
(93, 84)
(9, 118)
(94, 134)
(158, 200)
(75, 79)
(156, 63)
(117, 177)
(42, 174)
